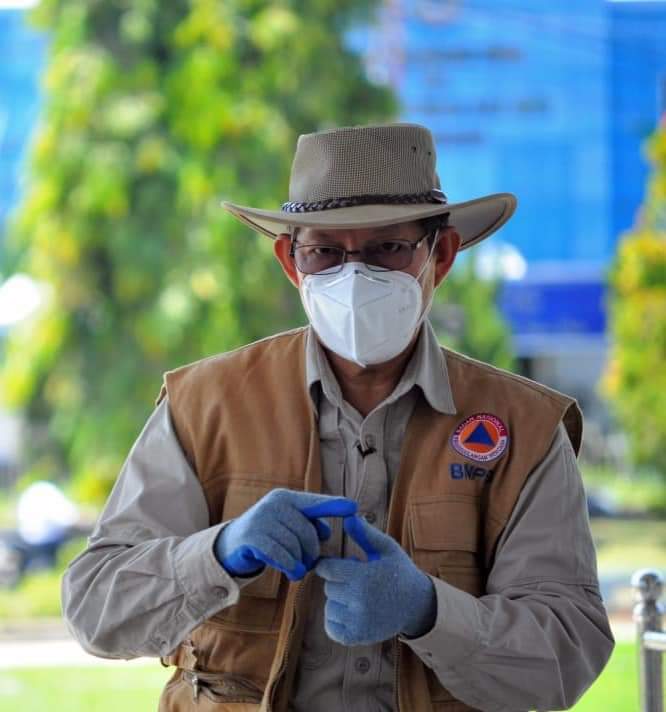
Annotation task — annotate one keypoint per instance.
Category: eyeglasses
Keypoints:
(379, 256)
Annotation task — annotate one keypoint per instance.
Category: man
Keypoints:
(347, 516)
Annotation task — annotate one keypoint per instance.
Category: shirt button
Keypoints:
(362, 665)
(223, 591)
(370, 517)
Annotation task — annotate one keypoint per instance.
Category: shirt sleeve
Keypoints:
(541, 635)
(148, 575)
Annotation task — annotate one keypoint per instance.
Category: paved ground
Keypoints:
(48, 643)
(54, 647)
(55, 653)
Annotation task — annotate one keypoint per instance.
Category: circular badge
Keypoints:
(481, 437)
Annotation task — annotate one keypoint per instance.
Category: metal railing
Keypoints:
(648, 585)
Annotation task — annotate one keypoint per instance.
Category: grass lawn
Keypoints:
(137, 689)
(616, 689)
(83, 689)
(627, 545)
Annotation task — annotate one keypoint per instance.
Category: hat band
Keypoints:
(432, 196)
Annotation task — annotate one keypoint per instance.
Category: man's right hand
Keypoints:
(282, 530)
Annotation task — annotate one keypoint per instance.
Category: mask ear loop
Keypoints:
(420, 274)
(430, 254)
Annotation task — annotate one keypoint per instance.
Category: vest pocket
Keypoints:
(217, 692)
(257, 609)
(251, 613)
(445, 539)
(466, 578)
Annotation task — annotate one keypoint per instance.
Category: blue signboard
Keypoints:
(544, 311)
(514, 92)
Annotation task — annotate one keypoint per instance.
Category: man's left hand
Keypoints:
(371, 601)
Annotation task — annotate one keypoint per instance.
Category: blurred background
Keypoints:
(122, 126)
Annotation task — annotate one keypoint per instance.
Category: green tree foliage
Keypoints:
(154, 112)
(635, 379)
(466, 317)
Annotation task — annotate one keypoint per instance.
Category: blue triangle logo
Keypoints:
(479, 436)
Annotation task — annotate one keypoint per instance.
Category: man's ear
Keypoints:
(446, 249)
(282, 248)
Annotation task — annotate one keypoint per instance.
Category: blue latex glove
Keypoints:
(371, 601)
(283, 530)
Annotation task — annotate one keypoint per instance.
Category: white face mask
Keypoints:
(363, 315)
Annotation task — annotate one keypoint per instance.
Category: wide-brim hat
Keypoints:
(370, 176)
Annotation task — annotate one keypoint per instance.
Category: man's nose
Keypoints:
(354, 256)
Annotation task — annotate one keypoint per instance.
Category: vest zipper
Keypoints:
(391, 506)
(192, 677)
(396, 673)
(279, 673)
(215, 685)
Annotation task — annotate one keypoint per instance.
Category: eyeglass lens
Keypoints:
(385, 255)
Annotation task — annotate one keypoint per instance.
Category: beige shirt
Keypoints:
(149, 576)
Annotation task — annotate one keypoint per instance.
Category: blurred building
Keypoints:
(551, 101)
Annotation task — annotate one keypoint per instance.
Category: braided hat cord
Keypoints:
(432, 196)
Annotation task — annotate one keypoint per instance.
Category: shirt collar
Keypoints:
(426, 369)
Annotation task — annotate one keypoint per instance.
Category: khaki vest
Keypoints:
(246, 424)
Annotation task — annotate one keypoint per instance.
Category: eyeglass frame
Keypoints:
(373, 268)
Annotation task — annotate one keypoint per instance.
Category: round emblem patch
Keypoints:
(481, 437)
